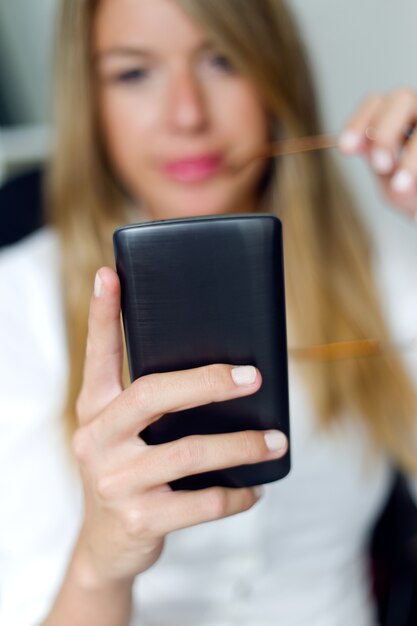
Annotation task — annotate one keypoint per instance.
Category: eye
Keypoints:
(132, 76)
(221, 62)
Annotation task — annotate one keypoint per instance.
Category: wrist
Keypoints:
(88, 599)
(87, 576)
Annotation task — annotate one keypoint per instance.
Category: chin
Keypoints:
(194, 206)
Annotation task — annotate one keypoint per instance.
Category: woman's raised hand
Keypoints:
(381, 130)
(129, 506)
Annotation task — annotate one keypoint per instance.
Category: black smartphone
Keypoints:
(203, 290)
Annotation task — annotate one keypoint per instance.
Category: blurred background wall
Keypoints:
(356, 47)
(25, 60)
(26, 34)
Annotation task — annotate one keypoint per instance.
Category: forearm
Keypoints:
(82, 602)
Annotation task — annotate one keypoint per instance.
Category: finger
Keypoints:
(151, 396)
(389, 130)
(354, 139)
(195, 454)
(404, 182)
(104, 354)
(394, 119)
(182, 509)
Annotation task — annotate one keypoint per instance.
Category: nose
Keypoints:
(187, 106)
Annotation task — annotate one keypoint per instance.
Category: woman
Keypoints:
(152, 107)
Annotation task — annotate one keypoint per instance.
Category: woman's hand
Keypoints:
(380, 130)
(129, 507)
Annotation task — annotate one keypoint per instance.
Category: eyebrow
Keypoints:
(121, 51)
(132, 51)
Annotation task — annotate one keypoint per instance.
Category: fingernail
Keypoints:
(244, 375)
(402, 181)
(382, 161)
(259, 491)
(98, 286)
(275, 440)
(349, 141)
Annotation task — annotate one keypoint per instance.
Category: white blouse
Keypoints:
(297, 558)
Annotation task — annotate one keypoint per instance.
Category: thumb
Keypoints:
(104, 353)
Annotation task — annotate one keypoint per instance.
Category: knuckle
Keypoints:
(216, 503)
(188, 454)
(249, 445)
(211, 377)
(145, 392)
(135, 523)
(106, 488)
(81, 444)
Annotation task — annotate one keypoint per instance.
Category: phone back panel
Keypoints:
(207, 290)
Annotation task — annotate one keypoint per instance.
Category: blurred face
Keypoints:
(174, 114)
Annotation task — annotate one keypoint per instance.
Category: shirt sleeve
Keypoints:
(39, 490)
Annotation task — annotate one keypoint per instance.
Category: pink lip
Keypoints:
(194, 169)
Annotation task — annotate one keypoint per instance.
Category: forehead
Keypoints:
(152, 23)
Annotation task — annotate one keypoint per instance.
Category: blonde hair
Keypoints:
(327, 251)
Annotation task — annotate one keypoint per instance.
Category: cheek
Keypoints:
(244, 117)
(125, 127)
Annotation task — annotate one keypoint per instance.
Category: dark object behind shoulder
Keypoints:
(21, 206)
